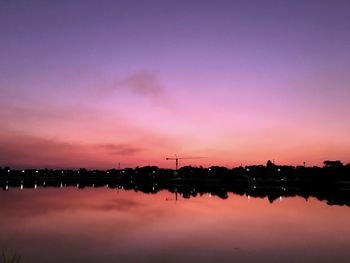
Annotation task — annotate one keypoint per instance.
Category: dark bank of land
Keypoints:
(330, 183)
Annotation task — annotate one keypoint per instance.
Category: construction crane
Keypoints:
(181, 158)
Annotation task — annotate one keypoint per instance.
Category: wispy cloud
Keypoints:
(142, 83)
(120, 149)
(28, 151)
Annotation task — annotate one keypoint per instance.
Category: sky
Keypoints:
(87, 83)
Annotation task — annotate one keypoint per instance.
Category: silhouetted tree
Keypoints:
(333, 164)
(270, 164)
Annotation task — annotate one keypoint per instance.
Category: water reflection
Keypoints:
(191, 189)
(110, 224)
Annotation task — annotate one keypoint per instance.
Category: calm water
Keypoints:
(108, 225)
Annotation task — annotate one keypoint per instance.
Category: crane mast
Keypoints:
(181, 158)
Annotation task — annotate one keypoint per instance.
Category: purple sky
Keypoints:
(94, 83)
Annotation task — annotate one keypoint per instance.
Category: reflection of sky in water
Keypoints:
(104, 225)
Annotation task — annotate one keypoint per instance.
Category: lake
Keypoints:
(113, 225)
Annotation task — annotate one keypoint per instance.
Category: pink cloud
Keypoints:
(142, 83)
(120, 149)
(31, 151)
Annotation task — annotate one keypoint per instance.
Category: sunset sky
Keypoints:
(96, 83)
